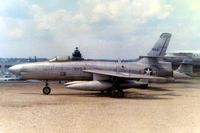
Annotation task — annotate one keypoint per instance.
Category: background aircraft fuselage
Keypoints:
(177, 58)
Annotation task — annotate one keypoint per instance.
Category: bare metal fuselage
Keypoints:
(73, 70)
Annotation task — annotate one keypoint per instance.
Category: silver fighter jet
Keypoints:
(110, 76)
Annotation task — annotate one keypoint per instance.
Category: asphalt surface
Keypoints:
(162, 108)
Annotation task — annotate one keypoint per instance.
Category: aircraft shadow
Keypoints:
(183, 82)
(155, 89)
(127, 95)
(142, 96)
(32, 93)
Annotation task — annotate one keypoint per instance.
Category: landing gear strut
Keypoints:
(46, 89)
(102, 91)
(116, 91)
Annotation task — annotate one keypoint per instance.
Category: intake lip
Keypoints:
(16, 69)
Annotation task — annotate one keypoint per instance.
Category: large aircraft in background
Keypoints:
(177, 57)
(109, 76)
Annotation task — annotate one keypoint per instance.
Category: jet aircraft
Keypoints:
(176, 57)
(110, 76)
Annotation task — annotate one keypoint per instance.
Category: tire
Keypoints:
(46, 90)
(144, 86)
(113, 93)
(120, 93)
(102, 92)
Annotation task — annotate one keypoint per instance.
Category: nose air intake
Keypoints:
(15, 69)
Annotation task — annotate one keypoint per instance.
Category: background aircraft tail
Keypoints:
(185, 70)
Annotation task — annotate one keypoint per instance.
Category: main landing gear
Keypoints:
(116, 91)
(46, 89)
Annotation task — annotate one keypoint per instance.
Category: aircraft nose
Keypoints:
(15, 69)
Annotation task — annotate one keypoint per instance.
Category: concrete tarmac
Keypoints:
(162, 108)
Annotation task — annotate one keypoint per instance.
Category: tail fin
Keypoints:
(158, 50)
(160, 46)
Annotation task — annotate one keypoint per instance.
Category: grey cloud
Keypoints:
(15, 9)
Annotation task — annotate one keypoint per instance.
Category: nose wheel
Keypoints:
(46, 90)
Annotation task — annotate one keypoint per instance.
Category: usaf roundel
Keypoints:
(148, 71)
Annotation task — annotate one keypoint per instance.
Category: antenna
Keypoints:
(118, 64)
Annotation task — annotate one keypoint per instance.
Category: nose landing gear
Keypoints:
(46, 90)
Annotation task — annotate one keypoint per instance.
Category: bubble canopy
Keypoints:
(64, 59)
(59, 59)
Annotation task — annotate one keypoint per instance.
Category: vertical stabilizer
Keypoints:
(160, 46)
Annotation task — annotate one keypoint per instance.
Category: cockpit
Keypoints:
(64, 59)
(59, 59)
(75, 56)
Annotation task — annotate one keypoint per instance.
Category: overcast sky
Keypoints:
(100, 28)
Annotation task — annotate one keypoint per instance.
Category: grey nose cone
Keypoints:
(15, 69)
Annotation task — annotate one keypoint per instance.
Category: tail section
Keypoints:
(158, 50)
(160, 47)
(154, 58)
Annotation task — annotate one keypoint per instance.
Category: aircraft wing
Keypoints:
(122, 74)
